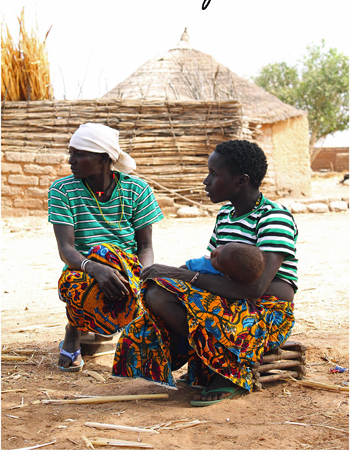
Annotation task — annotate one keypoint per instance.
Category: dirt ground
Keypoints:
(283, 415)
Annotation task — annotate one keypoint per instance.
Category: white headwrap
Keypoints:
(99, 138)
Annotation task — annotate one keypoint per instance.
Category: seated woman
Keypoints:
(209, 320)
(102, 221)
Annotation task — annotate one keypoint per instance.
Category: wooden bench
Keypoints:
(286, 361)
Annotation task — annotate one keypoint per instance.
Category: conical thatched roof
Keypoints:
(184, 73)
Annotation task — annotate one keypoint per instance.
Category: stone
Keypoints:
(188, 212)
(9, 190)
(26, 157)
(23, 180)
(51, 159)
(11, 168)
(298, 207)
(36, 192)
(168, 210)
(338, 206)
(47, 180)
(309, 201)
(37, 169)
(165, 201)
(28, 203)
(317, 207)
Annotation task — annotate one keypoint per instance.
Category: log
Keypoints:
(278, 365)
(285, 354)
(279, 376)
(119, 427)
(120, 443)
(108, 399)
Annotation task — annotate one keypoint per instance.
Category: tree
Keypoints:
(319, 84)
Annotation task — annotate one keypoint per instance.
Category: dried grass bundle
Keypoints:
(25, 70)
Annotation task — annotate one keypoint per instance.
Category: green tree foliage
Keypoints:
(319, 84)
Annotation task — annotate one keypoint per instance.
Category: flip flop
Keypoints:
(233, 391)
(182, 379)
(72, 356)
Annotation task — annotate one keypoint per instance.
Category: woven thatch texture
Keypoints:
(170, 141)
(183, 73)
(25, 70)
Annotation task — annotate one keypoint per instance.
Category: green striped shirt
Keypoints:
(270, 226)
(132, 206)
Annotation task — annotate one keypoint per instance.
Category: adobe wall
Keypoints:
(25, 181)
(332, 159)
(291, 156)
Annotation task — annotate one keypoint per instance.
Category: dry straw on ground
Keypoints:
(25, 70)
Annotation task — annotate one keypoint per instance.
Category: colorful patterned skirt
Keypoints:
(226, 336)
(86, 305)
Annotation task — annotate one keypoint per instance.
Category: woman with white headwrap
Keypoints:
(102, 218)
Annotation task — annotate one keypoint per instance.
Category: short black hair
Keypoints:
(244, 157)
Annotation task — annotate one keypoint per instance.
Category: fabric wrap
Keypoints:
(99, 138)
(226, 336)
(87, 307)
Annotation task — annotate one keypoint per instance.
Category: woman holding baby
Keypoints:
(220, 321)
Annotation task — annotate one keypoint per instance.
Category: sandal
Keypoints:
(72, 356)
(184, 379)
(233, 391)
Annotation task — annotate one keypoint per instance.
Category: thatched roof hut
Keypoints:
(184, 74)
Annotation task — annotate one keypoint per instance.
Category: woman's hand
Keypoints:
(110, 281)
(165, 271)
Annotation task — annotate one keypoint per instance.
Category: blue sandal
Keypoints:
(72, 356)
(233, 391)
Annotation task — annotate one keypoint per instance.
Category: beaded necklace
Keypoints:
(98, 205)
(256, 205)
(100, 193)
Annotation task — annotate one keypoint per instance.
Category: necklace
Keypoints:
(121, 201)
(256, 205)
(100, 193)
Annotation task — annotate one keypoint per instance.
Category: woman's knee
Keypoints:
(158, 299)
(153, 296)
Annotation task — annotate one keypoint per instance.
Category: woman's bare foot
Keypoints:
(217, 382)
(71, 344)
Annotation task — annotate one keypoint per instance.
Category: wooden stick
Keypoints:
(110, 352)
(276, 377)
(34, 327)
(13, 390)
(278, 365)
(37, 446)
(109, 399)
(316, 425)
(87, 442)
(318, 385)
(173, 192)
(13, 358)
(285, 354)
(118, 427)
(117, 442)
(96, 375)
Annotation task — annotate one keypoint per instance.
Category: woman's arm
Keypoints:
(110, 281)
(220, 285)
(145, 253)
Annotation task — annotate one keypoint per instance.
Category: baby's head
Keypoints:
(241, 262)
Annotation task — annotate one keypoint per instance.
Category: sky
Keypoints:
(94, 45)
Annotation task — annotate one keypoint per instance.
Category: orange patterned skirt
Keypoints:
(86, 305)
(226, 336)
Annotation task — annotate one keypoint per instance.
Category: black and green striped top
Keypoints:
(132, 206)
(270, 226)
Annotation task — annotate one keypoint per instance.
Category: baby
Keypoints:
(237, 261)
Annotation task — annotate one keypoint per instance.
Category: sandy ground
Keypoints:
(283, 416)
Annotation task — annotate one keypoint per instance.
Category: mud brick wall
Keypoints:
(26, 178)
(332, 159)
